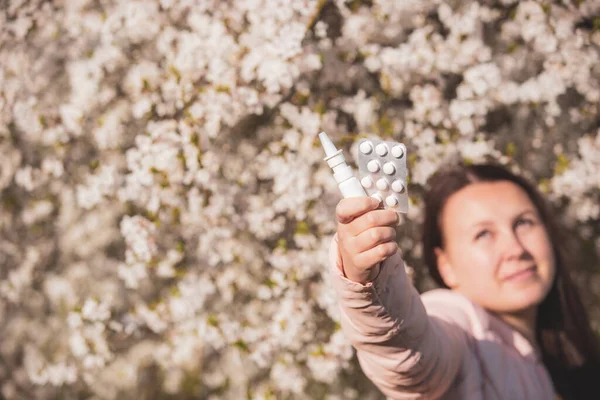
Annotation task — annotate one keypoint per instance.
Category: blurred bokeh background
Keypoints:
(165, 211)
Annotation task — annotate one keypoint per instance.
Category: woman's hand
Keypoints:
(366, 236)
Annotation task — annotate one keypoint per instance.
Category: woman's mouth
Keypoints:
(521, 275)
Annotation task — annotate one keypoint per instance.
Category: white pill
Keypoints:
(391, 201)
(378, 197)
(398, 186)
(389, 168)
(382, 184)
(398, 151)
(367, 182)
(381, 149)
(366, 147)
(373, 166)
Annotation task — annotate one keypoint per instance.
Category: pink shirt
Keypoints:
(438, 345)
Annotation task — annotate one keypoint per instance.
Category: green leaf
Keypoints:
(240, 344)
(270, 283)
(302, 228)
(281, 244)
(511, 149)
(212, 320)
(562, 164)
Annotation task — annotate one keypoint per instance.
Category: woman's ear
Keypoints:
(445, 268)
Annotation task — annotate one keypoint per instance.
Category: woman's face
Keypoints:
(496, 248)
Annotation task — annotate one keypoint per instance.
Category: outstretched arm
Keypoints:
(405, 352)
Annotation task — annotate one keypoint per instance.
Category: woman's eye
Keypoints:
(524, 221)
(481, 234)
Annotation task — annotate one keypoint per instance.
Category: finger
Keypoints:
(350, 208)
(373, 219)
(375, 255)
(373, 237)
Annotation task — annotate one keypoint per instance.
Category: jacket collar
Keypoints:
(513, 338)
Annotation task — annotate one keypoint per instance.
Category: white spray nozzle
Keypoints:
(347, 182)
(327, 144)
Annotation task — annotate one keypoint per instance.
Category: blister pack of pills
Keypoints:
(382, 170)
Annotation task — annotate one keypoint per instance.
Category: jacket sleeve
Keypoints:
(403, 351)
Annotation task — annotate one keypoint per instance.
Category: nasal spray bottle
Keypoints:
(342, 172)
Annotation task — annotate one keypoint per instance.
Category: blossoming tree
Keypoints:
(165, 211)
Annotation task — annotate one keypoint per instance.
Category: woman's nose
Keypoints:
(513, 246)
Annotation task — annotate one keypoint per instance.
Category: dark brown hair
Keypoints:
(562, 323)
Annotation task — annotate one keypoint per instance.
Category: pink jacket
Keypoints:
(438, 345)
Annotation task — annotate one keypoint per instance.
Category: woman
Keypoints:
(506, 324)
